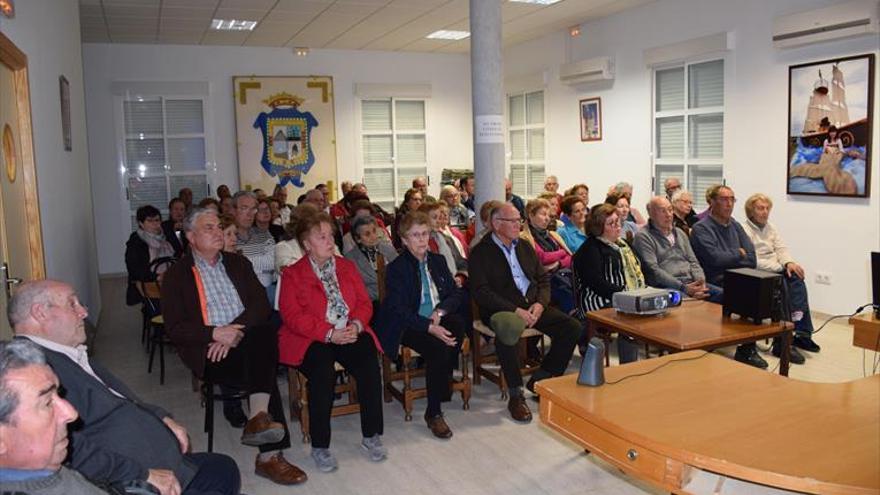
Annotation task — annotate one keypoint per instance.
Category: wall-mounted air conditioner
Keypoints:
(594, 69)
(843, 20)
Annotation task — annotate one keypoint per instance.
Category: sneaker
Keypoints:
(806, 343)
(325, 461)
(375, 450)
(750, 357)
(794, 357)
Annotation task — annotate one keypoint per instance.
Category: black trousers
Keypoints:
(251, 367)
(217, 475)
(439, 358)
(564, 332)
(360, 360)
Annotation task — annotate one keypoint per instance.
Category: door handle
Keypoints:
(8, 282)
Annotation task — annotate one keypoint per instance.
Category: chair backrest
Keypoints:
(161, 264)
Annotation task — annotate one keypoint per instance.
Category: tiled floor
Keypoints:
(489, 453)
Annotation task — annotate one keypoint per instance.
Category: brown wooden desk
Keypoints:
(866, 331)
(693, 325)
(717, 415)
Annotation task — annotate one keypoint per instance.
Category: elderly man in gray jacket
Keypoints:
(668, 261)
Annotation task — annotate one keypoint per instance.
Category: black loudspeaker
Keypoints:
(753, 294)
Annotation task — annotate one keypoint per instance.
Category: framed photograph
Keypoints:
(591, 119)
(830, 106)
(64, 87)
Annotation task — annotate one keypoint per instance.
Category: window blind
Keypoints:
(377, 149)
(706, 84)
(518, 178)
(144, 191)
(535, 107)
(409, 115)
(700, 177)
(706, 136)
(376, 115)
(405, 176)
(198, 184)
(411, 149)
(670, 137)
(517, 110)
(380, 184)
(145, 156)
(517, 145)
(142, 117)
(186, 154)
(184, 117)
(670, 89)
(536, 145)
(664, 172)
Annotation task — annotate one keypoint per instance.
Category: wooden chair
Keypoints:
(299, 397)
(405, 392)
(481, 362)
(151, 291)
(208, 398)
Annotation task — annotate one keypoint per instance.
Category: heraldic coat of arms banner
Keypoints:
(286, 132)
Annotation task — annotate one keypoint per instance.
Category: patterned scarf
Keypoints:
(632, 269)
(337, 309)
(159, 247)
(542, 237)
(371, 252)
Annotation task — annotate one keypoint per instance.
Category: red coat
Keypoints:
(303, 307)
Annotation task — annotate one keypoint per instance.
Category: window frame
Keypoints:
(686, 113)
(394, 133)
(528, 164)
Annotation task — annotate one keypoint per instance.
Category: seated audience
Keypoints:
(772, 255)
(512, 290)
(485, 214)
(362, 208)
(667, 259)
(705, 213)
(670, 186)
(263, 221)
(720, 243)
(289, 251)
(279, 194)
(683, 217)
(552, 252)
(469, 190)
(444, 244)
(422, 310)
(230, 233)
(369, 250)
(33, 426)
(628, 228)
(186, 195)
(173, 227)
(119, 440)
(626, 189)
(603, 265)
(345, 186)
(412, 199)
(513, 199)
(144, 246)
(421, 183)
(459, 215)
(458, 237)
(326, 312)
(316, 197)
(223, 192)
(210, 203)
(555, 208)
(581, 191)
(217, 314)
(226, 206)
(574, 221)
(255, 244)
(326, 192)
(551, 185)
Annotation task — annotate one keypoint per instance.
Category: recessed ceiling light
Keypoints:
(444, 34)
(232, 25)
(537, 2)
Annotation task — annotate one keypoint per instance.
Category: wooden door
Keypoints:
(21, 247)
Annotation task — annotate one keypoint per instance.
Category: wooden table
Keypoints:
(693, 325)
(866, 331)
(714, 415)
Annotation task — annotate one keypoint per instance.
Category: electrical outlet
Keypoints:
(823, 278)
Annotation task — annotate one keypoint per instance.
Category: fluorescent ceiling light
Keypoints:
(443, 34)
(232, 25)
(537, 2)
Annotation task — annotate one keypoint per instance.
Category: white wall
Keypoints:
(825, 234)
(448, 109)
(47, 31)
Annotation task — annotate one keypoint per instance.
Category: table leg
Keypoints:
(786, 352)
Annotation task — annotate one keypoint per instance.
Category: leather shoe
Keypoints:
(805, 343)
(794, 357)
(751, 358)
(438, 426)
(261, 430)
(519, 410)
(279, 470)
(234, 414)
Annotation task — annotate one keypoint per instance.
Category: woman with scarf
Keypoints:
(605, 264)
(144, 246)
(369, 251)
(445, 244)
(552, 252)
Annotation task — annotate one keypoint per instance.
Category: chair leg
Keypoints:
(407, 385)
(386, 378)
(152, 347)
(476, 355)
(294, 393)
(161, 359)
(465, 377)
(304, 411)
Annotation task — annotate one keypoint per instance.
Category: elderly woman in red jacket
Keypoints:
(326, 313)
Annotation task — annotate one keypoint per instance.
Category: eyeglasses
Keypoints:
(517, 220)
(726, 199)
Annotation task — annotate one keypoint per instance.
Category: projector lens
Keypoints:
(674, 297)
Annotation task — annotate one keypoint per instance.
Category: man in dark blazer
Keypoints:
(512, 291)
(173, 227)
(119, 441)
(217, 313)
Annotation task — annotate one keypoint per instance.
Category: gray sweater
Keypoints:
(717, 247)
(666, 265)
(62, 482)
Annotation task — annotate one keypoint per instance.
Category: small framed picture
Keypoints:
(591, 119)
(64, 88)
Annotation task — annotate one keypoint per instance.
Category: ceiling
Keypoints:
(392, 25)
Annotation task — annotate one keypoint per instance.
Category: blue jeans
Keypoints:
(797, 301)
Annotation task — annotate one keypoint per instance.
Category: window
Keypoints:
(689, 126)
(394, 147)
(163, 150)
(525, 127)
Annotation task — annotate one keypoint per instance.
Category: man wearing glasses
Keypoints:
(512, 290)
(721, 243)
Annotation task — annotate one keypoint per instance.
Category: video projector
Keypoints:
(647, 301)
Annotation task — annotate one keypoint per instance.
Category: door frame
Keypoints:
(16, 60)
